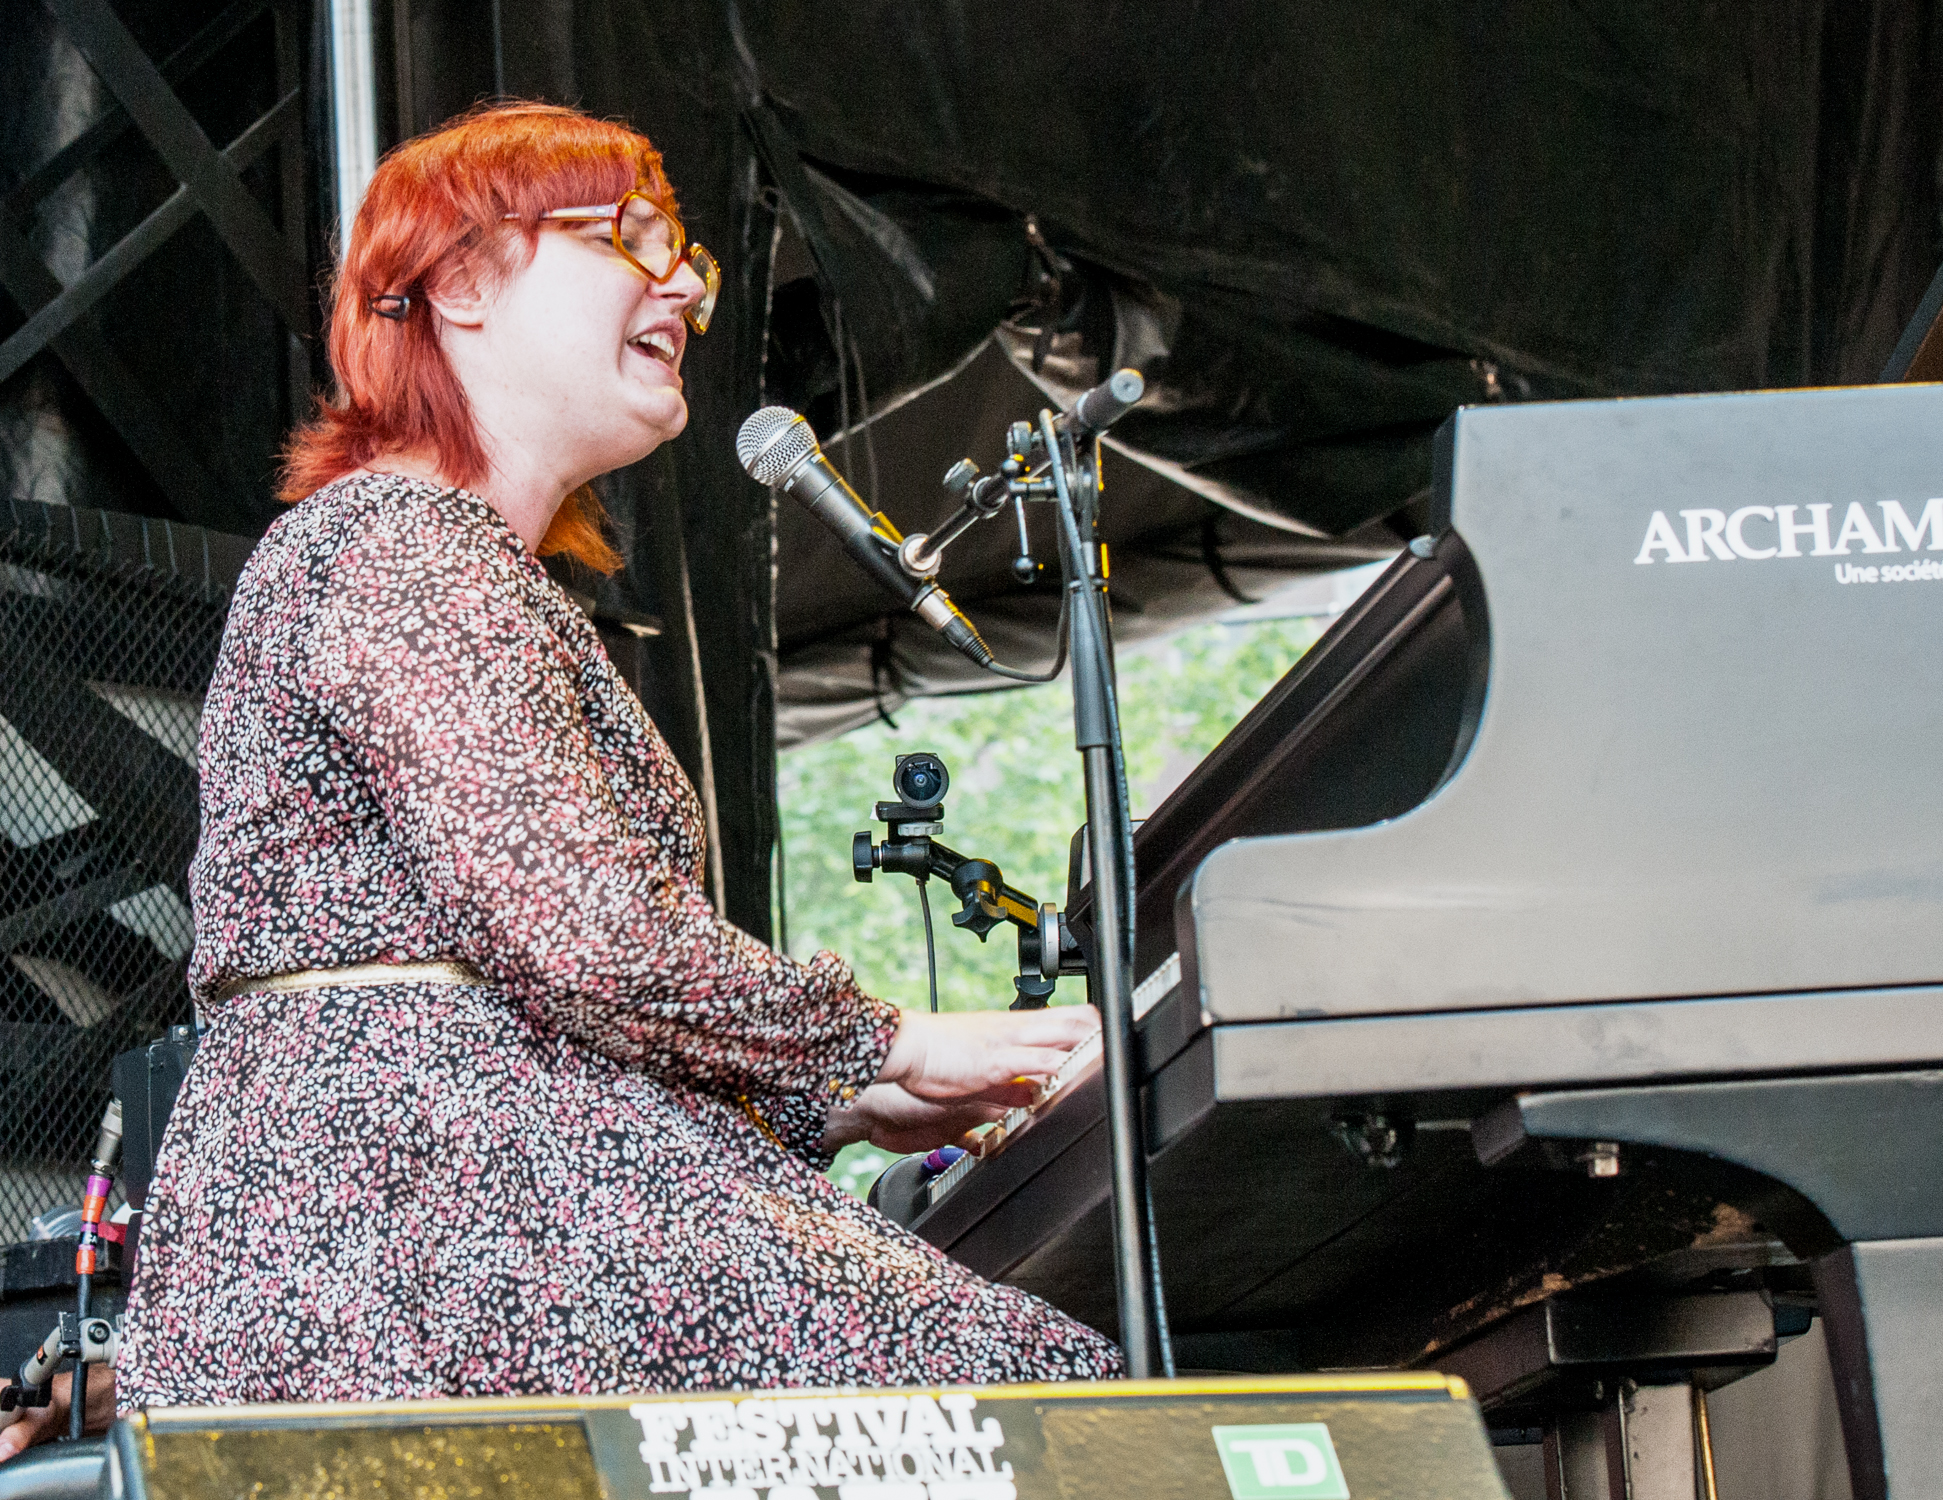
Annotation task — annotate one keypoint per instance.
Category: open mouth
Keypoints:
(657, 344)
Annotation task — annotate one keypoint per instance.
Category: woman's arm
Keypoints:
(458, 710)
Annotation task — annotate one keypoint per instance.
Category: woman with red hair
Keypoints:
(491, 1100)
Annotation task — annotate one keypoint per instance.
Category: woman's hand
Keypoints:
(40, 1424)
(990, 1056)
(896, 1121)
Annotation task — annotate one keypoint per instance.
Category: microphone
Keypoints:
(1105, 404)
(778, 449)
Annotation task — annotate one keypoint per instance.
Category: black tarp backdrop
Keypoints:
(1317, 228)
(171, 397)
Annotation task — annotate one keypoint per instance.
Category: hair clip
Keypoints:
(392, 305)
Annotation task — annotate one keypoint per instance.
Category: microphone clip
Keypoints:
(1025, 475)
(979, 498)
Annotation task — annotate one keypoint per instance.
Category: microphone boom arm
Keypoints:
(921, 554)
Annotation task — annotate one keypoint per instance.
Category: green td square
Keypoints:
(1290, 1461)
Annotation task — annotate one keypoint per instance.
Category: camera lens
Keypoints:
(920, 780)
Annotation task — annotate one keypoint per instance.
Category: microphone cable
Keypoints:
(1062, 632)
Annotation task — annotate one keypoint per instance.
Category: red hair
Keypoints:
(433, 215)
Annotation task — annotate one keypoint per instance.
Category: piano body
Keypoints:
(1544, 983)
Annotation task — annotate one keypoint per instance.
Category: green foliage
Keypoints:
(1016, 798)
(858, 1166)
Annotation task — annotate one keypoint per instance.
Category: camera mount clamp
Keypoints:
(1047, 947)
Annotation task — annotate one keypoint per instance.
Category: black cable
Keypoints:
(1212, 560)
(1117, 749)
(782, 889)
(863, 421)
(498, 52)
(1116, 756)
(843, 385)
(77, 1394)
(1062, 631)
(882, 665)
(930, 944)
(1160, 1302)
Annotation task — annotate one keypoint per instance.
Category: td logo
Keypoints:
(1293, 1461)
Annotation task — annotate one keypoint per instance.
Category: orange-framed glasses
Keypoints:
(652, 240)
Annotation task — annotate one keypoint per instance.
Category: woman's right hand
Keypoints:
(997, 1056)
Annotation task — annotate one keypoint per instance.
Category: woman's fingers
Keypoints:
(34, 1426)
(39, 1424)
(1014, 1093)
(1028, 1062)
(1013, 1083)
(932, 1125)
(1052, 1032)
(887, 1105)
(894, 1120)
(983, 1054)
(1067, 1026)
(948, 1074)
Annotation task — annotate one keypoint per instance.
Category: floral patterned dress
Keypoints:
(415, 748)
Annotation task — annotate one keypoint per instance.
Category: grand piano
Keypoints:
(1544, 983)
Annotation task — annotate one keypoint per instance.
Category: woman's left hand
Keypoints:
(893, 1120)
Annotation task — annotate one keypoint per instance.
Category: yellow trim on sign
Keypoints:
(502, 1407)
(1268, 1385)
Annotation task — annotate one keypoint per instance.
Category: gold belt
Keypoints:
(446, 971)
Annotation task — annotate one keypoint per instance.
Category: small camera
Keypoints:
(920, 780)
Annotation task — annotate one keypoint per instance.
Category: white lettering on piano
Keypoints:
(1737, 533)
(1714, 535)
(1660, 538)
(1704, 535)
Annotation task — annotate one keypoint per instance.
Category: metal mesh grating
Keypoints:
(109, 627)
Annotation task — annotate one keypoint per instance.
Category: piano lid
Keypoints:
(1708, 755)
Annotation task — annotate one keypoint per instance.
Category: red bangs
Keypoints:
(436, 207)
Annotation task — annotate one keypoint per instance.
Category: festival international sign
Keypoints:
(1406, 1436)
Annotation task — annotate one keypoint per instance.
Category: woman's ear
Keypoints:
(458, 298)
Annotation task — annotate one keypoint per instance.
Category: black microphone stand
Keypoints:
(1109, 836)
(1069, 475)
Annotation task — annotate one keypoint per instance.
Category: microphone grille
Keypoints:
(772, 442)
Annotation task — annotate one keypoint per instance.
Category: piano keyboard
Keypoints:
(1156, 986)
(1146, 995)
(993, 1140)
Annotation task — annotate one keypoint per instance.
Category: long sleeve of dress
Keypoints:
(463, 710)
